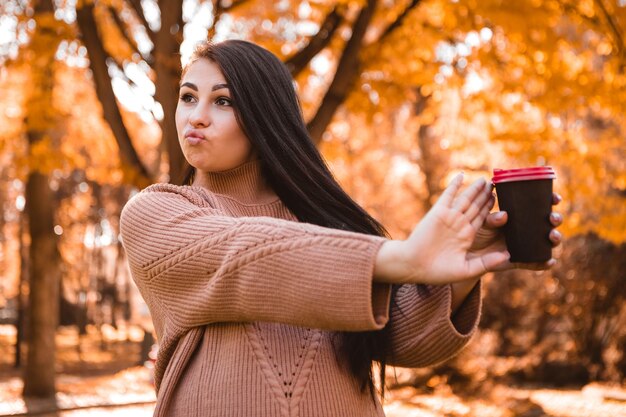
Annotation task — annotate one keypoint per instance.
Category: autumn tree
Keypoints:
(108, 30)
(41, 130)
(398, 95)
(44, 83)
(525, 85)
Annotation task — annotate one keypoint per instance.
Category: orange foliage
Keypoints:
(507, 83)
(510, 90)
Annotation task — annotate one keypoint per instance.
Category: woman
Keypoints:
(271, 291)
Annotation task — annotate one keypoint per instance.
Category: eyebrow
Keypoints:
(219, 87)
(195, 87)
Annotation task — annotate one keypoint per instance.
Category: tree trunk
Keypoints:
(433, 161)
(44, 272)
(21, 322)
(167, 69)
(43, 305)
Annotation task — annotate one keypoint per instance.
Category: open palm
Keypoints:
(439, 250)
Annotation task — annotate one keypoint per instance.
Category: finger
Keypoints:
(492, 200)
(556, 219)
(467, 197)
(478, 221)
(479, 204)
(497, 219)
(556, 237)
(447, 197)
(556, 199)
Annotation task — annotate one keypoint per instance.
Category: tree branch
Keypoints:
(102, 80)
(322, 38)
(123, 27)
(617, 35)
(567, 7)
(399, 20)
(217, 15)
(136, 6)
(348, 70)
(167, 71)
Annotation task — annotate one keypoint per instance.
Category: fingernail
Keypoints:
(556, 217)
(499, 215)
(552, 262)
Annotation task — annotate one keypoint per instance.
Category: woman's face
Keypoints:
(208, 132)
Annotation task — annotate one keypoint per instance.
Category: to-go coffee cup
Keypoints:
(526, 195)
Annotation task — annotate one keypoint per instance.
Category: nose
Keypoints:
(199, 117)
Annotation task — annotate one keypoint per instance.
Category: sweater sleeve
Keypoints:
(423, 333)
(196, 266)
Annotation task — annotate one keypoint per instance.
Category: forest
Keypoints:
(399, 96)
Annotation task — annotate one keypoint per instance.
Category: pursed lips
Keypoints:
(194, 137)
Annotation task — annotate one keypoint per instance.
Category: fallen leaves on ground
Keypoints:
(102, 379)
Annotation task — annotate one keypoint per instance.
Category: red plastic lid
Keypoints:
(523, 174)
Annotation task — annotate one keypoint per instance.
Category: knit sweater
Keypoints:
(247, 303)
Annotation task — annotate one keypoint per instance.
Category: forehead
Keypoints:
(203, 72)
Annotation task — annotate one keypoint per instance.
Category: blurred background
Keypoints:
(399, 96)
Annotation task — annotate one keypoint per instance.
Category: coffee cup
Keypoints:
(526, 195)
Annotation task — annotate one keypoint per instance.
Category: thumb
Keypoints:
(497, 219)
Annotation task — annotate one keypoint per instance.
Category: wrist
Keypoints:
(460, 291)
(390, 266)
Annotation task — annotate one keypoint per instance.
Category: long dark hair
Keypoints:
(269, 113)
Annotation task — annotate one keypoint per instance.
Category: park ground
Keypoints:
(100, 375)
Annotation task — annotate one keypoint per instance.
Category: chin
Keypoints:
(197, 162)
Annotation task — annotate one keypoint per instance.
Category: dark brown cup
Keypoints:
(526, 195)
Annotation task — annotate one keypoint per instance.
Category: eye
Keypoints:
(224, 101)
(186, 98)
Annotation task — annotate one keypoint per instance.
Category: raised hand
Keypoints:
(438, 249)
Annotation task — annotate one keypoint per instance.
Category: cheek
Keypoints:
(179, 121)
(243, 144)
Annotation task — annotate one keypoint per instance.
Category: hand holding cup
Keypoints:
(526, 226)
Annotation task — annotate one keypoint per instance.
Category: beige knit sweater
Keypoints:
(245, 300)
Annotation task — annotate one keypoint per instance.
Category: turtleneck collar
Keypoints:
(244, 183)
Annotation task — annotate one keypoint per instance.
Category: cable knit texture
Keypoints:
(246, 303)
